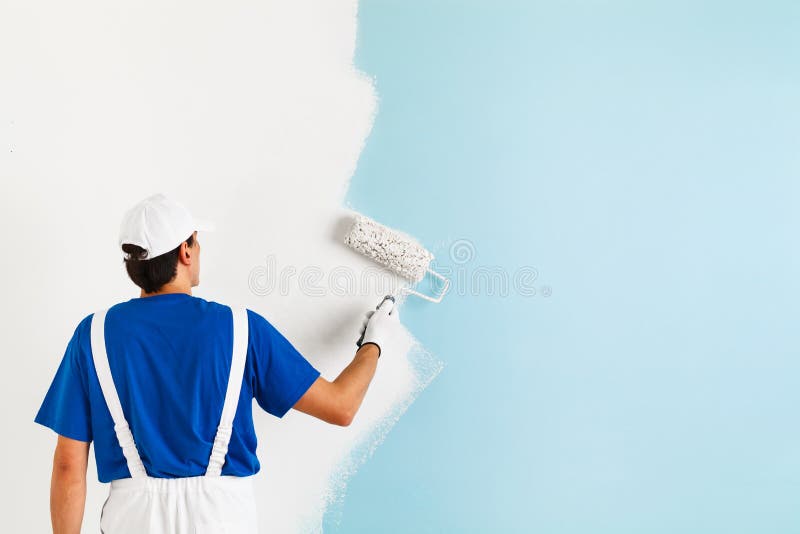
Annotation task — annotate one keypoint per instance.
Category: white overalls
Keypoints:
(212, 503)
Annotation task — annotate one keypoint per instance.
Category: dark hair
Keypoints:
(152, 274)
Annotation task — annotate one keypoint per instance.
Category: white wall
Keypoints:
(249, 112)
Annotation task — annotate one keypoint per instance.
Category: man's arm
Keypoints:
(68, 485)
(337, 402)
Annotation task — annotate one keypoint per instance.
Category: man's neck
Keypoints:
(169, 288)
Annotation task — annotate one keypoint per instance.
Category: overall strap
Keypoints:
(235, 378)
(121, 428)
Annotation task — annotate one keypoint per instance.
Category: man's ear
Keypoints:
(184, 251)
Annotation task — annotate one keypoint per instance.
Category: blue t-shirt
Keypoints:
(170, 357)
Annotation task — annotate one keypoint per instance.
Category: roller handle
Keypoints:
(438, 298)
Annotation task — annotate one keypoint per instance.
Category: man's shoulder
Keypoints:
(79, 345)
(255, 319)
(84, 325)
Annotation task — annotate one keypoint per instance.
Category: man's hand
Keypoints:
(381, 325)
(68, 485)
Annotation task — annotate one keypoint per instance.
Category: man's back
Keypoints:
(170, 358)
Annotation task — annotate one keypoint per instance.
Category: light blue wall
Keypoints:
(644, 158)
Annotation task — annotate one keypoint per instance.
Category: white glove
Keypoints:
(381, 325)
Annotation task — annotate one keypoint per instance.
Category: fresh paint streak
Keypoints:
(252, 114)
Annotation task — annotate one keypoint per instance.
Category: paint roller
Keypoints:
(396, 251)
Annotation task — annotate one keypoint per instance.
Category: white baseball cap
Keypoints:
(159, 224)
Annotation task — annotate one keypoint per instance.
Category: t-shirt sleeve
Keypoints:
(282, 374)
(65, 408)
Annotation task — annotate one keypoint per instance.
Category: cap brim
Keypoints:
(203, 225)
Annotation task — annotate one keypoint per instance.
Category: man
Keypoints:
(163, 384)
